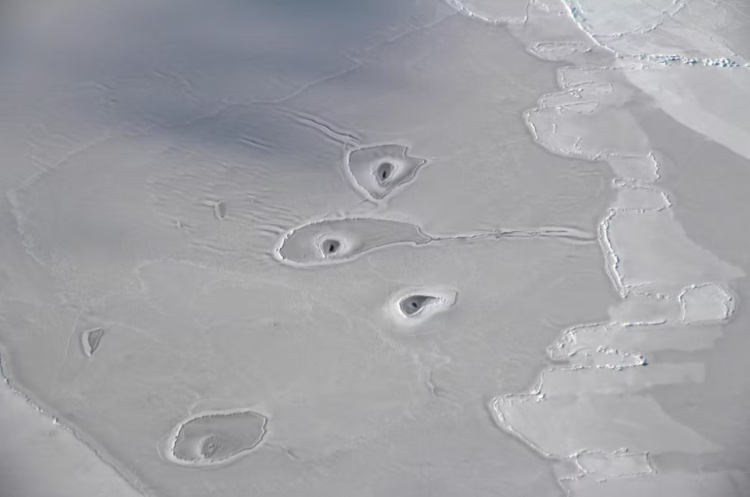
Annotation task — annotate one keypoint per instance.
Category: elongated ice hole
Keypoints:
(218, 206)
(91, 340)
(414, 306)
(220, 210)
(336, 240)
(216, 438)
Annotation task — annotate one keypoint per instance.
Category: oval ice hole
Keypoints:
(415, 303)
(384, 171)
(330, 246)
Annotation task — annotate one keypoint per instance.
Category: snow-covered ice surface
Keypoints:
(480, 247)
(40, 457)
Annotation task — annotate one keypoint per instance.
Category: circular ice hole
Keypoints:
(330, 246)
(384, 171)
(414, 303)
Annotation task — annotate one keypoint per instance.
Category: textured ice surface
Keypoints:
(179, 204)
(509, 11)
(152, 183)
(728, 483)
(689, 56)
(588, 401)
(604, 465)
(655, 256)
(563, 425)
(706, 303)
(616, 381)
(36, 444)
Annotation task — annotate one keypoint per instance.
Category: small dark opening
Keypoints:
(414, 303)
(330, 247)
(384, 171)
